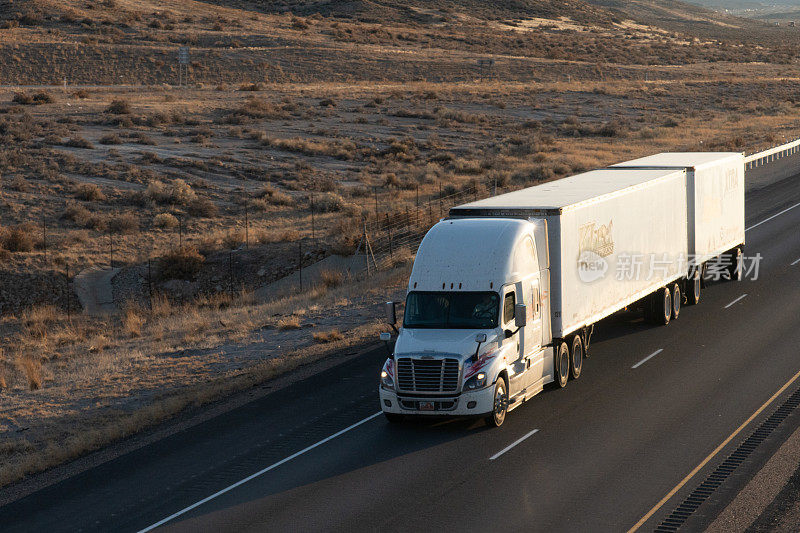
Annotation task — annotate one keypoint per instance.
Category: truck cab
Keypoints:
(475, 338)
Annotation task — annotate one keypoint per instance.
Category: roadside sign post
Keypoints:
(183, 64)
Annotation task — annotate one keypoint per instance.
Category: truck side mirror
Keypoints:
(520, 315)
(391, 313)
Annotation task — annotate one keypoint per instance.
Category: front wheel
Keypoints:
(498, 414)
(393, 418)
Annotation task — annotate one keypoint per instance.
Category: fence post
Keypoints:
(44, 238)
(375, 191)
(230, 271)
(300, 261)
(391, 253)
(440, 199)
(366, 247)
(246, 226)
(313, 230)
(149, 284)
(69, 296)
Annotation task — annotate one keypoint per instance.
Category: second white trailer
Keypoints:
(715, 198)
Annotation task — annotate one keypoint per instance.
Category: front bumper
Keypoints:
(445, 406)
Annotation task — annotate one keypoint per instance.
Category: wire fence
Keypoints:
(390, 233)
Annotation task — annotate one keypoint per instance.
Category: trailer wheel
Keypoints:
(393, 418)
(498, 414)
(662, 306)
(693, 288)
(562, 365)
(576, 357)
(735, 270)
(676, 301)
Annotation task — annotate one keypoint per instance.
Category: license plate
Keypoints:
(426, 406)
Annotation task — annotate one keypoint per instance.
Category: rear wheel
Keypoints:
(498, 414)
(693, 287)
(735, 271)
(562, 365)
(576, 357)
(393, 418)
(677, 299)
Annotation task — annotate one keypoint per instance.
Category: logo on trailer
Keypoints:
(595, 245)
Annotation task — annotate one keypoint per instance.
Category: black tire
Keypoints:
(677, 300)
(393, 418)
(662, 306)
(693, 287)
(735, 270)
(498, 414)
(561, 365)
(576, 357)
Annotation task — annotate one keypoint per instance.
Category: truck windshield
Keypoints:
(451, 310)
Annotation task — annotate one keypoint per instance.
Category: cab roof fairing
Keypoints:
(472, 254)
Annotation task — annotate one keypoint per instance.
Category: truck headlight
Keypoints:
(478, 381)
(386, 380)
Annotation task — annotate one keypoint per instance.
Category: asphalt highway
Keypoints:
(651, 406)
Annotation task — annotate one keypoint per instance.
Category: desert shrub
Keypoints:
(33, 372)
(180, 263)
(331, 278)
(275, 197)
(251, 87)
(329, 202)
(110, 138)
(79, 142)
(327, 102)
(119, 107)
(124, 223)
(83, 217)
(89, 192)
(288, 322)
(165, 221)
(202, 207)
(328, 336)
(255, 108)
(81, 94)
(176, 193)
(18, 239)
(37, 98)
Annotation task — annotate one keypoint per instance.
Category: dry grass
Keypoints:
(289, 323)
(327, 336)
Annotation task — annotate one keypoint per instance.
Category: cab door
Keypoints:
(532, 338)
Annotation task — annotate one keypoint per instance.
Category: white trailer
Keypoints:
(614, 236)
(505, 292)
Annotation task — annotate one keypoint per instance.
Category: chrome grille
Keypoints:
(427, 375)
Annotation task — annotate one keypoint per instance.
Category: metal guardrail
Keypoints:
(770, 155)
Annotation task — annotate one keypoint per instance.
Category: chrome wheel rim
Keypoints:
(667, 304)
(577, 358)
(676, 302)
(563, 370)
(500, 404)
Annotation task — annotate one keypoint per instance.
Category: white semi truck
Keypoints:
(505, 292)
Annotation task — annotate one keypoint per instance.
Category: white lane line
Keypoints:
(504, 450)
(773, 216)
(740, 298)
(260, 472)
(646, 359)
(795, 262)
